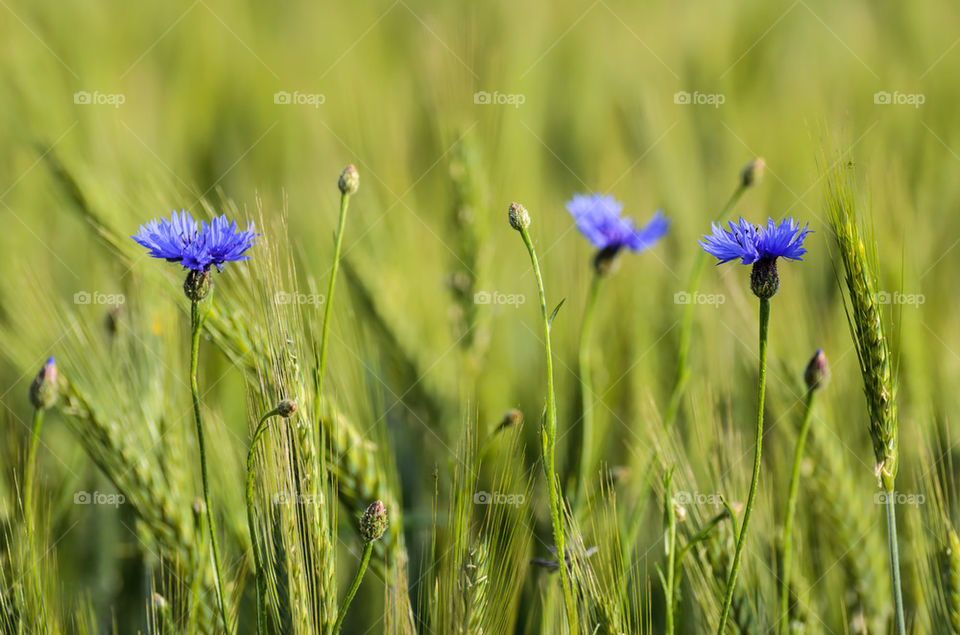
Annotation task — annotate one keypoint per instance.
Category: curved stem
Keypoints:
(328, 305)
(586, 384)
(895, 560)
(686, 324)
(791, 512)
(197, 323)
(29, 471)
(549, 446)
(762, 384)
(367, 550)
(262, 427)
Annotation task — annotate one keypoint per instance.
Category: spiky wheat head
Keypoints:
(866, 322)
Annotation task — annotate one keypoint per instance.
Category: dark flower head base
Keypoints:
(759, 247)
(599, 219)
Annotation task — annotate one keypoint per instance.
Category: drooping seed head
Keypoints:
(43, 389)
(287, 408)
(752, 173)
(818, 371)
(519, 217)
(198, 285)
(373, 523)
(349, 181)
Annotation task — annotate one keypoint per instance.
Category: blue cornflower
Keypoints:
(750, 243)
(598, 218)
(759, 247)
(196, 247)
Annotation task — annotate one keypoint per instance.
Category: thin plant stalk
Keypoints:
(364, 561)
(683, 370)
(686, 324)
(328, 304)
(669, 590)
(895, 560)
(262, 428)
(751, 498)
(196, 320)
(30, 470)
(586, 383)
(550, 443)
(791, 513)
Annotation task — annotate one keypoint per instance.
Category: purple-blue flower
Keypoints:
(196, 247)
(598, 218)
(751, 243)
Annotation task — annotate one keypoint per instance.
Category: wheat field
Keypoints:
(445, 393)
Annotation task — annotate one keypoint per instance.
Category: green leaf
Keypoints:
(554, 314)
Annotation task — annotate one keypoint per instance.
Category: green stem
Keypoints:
(549, 446)
(895, 560)
(262, 427)
(671, 560)
(367, 550)
(686, 324)
(328, 305)
(741, 539)
(586, 384)
(791, 512)
(196, 321)
(29, 471)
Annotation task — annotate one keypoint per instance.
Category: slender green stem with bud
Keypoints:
(751, 498)
(261, 582)
(29, 471)
(686, 323)
(891, 503)
(364, 561)
(791, 512)
(586, 384)
(550, 442)
(346, 189)
(196, 320)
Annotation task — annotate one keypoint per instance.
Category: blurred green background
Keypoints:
(154, 107)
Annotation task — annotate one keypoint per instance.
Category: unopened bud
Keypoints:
(373, 523)
(512, 418)
(519, 217)
(286, 408)
(818, 371)
(43, 390)
(752, 172)
(349, 181)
